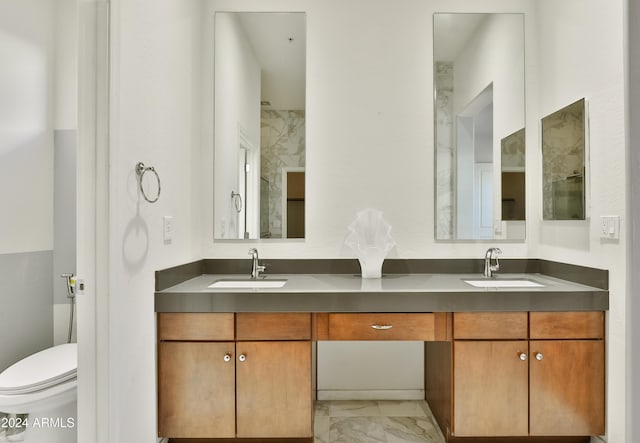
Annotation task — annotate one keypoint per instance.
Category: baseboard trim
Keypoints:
(417, 394)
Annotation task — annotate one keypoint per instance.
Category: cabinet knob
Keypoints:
(242, 357)
(227, 357)
(523, 356)
(539, 356)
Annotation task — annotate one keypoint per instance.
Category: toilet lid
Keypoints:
(41, 370)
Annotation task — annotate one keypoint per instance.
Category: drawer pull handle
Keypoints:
(242, 357)
(382, 327)
(523, 356)
(539, 356)
(227, 357)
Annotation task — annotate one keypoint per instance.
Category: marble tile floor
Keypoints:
(375, 422)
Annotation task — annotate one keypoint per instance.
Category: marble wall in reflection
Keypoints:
(513, 151)
(444, 150)
(563, 163)
(282, 144)
(512, 180)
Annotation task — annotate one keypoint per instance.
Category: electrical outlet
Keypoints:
(610, 227)
(167, 224)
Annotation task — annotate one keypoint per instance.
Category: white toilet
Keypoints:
(44, 385)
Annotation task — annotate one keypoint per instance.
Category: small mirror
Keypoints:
(479, 104)
(563, 163)
(259, 153)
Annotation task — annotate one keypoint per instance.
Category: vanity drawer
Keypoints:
(420, 327)
(258, 326)
(195, 326)
(567, 325)
(490, 325)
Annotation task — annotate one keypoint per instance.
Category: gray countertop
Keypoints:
(391, 293)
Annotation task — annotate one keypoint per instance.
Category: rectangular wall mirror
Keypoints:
(563, 163)
(479, 103)
(259, 113)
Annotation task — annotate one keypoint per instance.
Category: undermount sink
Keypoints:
(228, 283)
(504, 283)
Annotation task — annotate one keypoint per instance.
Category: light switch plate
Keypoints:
(610, 227)
(167, 226)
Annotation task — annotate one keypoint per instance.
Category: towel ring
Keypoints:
(141, 169)
(237, 200)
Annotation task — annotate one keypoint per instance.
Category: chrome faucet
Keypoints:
(489, 269)
(256, 268)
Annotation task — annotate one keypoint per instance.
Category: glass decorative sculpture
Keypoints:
(370, 240)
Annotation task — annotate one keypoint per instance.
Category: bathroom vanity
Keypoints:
(224, 375)
(525, 361)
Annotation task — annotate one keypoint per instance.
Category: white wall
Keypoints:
(26, 177)
(633, 229)
(581, 54)
(26, 124)
(66, 64)
(38, 46)
(155, 118)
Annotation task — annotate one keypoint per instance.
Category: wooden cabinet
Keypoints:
(259, 388)
(382, 326)
(490, 389)
(273, 389)
(490, 325)
(537, 388)
(548, 381)
(273, 326)
(491, 374)
(196, 390)
(566, 371)
(415, 326)
(196, 375)
(567, 387)
(196, 326)
(487, 375)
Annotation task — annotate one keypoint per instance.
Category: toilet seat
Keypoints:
(50, 367)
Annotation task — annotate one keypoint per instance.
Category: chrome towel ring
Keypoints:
(141, 169)
(237, 200)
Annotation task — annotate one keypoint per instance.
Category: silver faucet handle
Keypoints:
(491, 254)
(494, 254)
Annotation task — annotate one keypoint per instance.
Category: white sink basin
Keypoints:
(247, 284)
(521, 283)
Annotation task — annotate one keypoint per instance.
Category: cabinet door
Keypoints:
(273, 389)
(491, 386)
(567, 387)
(196, 390)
